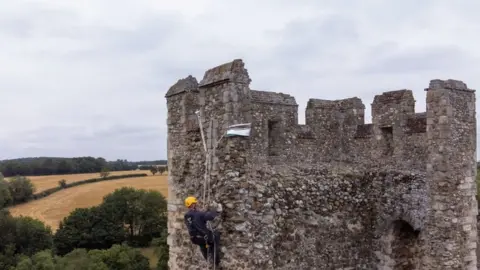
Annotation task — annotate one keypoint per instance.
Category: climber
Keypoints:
(196, 222)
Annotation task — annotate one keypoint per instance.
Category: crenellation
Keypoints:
(335, 193)
(273, 98)
(393, 108)
(183, 85)
(233, 72)
(450, 84)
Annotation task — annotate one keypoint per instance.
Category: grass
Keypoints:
(150, 254)
(44, 182)
(52, 209)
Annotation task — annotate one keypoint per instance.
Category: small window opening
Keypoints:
(274, 134)
(387, 134)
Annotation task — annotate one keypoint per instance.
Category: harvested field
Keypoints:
(44, 182)
(54, 208)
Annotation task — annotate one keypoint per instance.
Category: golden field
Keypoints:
(44, 182)
(52, 209)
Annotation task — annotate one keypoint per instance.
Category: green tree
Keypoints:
(21, 235)
(62, 183)
(7, 233)
(43, 260)
(143, 212)
(32, 235)
(121, 257)
(105, 172)
(153, 170)
(21, 189)
(79, 259)
(90, 228)
(5, 196)
(64, 167)
(24, 263)
(161, 251)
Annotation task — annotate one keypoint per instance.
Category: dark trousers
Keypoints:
(213, 244)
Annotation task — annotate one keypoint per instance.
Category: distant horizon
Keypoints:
(71, 157)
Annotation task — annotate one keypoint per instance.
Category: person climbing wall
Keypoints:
(196, 222)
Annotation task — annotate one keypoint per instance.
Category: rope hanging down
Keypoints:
(206, 185)
(234, 130)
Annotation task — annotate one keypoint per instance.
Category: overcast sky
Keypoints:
(89, 77)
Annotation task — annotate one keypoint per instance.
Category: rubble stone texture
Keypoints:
(335, 193)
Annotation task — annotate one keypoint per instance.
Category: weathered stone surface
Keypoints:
(335, 193)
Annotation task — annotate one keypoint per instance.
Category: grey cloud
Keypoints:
(22, 20)
(314, 40)
(92, 81)
(387, 58)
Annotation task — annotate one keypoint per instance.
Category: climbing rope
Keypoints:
(206, 186)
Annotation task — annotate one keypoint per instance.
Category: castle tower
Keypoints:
(221, 99)
(183, 137)
(450, 230)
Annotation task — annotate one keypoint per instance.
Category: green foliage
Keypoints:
(31, 235)
(43, 260)
(21, 189)
(21, 235)
(121, 257)
(80, 259)
(49, 166)
(105, 172)
(90, 228)
(161, 251)
(154, 168)
(62, 183)
(129, 214)
(24, 263)
(118, 257)
(5, 195)
(143, 212)
(162, 169)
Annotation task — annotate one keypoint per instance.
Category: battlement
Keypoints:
(394, 97)
(267, 97)
(334, 193)
(234, 72)
(341, 104)
(334, 130)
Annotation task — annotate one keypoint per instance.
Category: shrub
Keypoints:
(62, 183)
(105, 172)
(21, 189)
(5, 195)
(50, 191)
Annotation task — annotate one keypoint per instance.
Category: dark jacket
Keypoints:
(196, 222)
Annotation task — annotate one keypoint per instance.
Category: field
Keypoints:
(44, 182)
(52, 209)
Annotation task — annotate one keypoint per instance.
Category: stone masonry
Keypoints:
(335, 193)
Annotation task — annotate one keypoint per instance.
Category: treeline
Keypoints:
(102, 237)
(19, 189)
(57, 165)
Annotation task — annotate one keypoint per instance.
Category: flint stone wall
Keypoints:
(334, 193)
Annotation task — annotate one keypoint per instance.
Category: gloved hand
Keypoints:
(216, 207)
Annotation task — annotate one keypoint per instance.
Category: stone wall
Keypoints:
(335, 193)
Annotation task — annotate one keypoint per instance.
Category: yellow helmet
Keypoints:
(190, 200)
